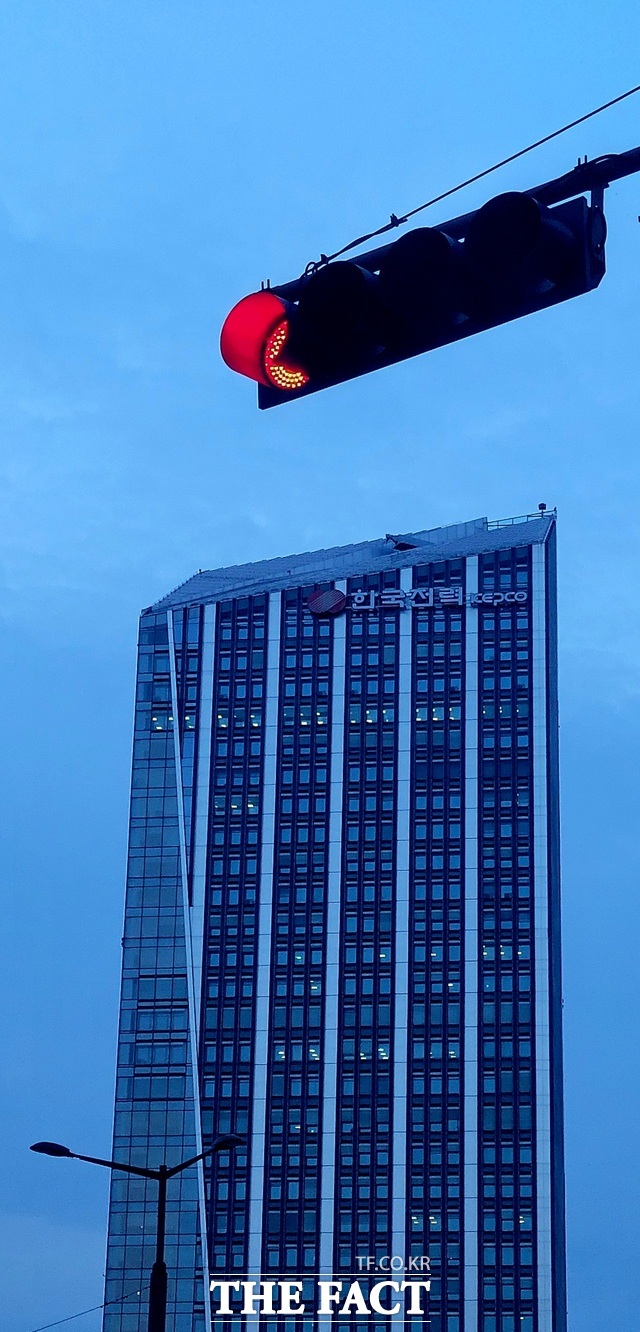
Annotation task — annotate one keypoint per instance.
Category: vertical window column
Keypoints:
(507, 1256)
(363, 1125)
(292, 1177)
(229, 996)
(332, 962)
(202, 800)
(470, 1083)
(403, 818)
(261, 1043)
(435, 1155)
(193, 1006)
(541, 925)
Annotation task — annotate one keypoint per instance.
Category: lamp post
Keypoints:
(158, 1284)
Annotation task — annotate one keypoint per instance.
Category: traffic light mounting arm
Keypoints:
(593, 176)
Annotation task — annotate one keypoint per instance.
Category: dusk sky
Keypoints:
(157, 161)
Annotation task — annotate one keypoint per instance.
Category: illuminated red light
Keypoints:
(280, 371)
(253, 340)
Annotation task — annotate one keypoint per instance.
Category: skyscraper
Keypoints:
(342, 933)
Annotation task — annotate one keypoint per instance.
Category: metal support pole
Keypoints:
(158, 1287)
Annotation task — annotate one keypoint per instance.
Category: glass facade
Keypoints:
(342, 932)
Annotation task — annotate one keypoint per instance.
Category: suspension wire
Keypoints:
(395, 221)
(93, 1309)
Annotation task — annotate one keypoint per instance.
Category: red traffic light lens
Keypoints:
(253, 342)
(280, 371)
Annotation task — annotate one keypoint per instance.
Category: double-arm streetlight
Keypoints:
(158, 1285)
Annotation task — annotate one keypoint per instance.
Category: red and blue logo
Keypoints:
(327, 602)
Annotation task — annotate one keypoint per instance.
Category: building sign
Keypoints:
(497, 598)
(334, 602)
(398, 1298)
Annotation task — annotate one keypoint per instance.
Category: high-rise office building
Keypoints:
(342, 934)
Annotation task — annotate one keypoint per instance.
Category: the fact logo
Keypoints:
(401, 1299)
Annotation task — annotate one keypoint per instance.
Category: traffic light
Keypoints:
(434, 285)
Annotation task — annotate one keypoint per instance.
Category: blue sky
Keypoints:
(156, 162)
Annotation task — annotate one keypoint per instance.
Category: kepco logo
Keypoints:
(497, 598)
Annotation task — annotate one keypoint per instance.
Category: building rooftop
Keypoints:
(388, 552)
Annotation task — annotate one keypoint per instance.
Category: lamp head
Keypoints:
(50, 1149)
(228, 1142)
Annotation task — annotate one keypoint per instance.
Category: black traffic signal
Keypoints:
(430, 287)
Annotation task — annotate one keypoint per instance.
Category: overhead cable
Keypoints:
(93, 1309)
(396, 221)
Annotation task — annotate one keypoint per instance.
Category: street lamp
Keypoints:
(158, 1284)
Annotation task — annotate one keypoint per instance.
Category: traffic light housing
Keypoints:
(433, 286)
